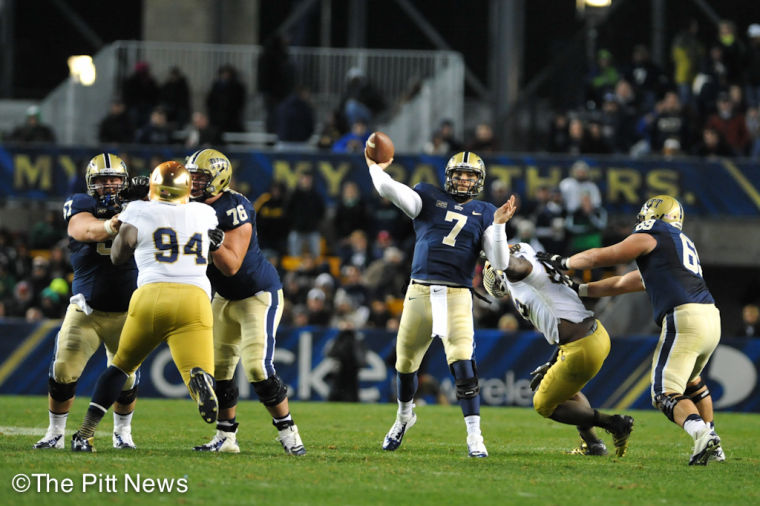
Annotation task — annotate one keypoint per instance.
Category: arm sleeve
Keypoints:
(495, 245)
(401, 195)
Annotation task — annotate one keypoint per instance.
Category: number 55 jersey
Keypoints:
(671, 271)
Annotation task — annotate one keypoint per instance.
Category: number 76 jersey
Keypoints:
(671, 271)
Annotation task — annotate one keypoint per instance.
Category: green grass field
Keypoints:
(345, 464)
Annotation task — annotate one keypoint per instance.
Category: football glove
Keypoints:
(537, 374)
(494, 281)
(556, 261)
(216, 236)
(137, 189)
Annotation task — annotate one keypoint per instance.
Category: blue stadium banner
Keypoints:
(706, 187)
(504, 363)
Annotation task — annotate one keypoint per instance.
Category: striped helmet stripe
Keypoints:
(107, 160)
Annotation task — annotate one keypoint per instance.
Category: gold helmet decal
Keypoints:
(468, 162)
(170, 182)
(662, 207)
(214, 169)
(105, 165)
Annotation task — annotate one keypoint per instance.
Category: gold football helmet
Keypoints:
(468, 162)
(211, 171)
(662, 207)
(105, 165)
(170, 182)
(494, 281)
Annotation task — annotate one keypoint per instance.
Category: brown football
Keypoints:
(379, 147)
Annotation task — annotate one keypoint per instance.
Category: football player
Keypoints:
(170, 240)
(451, 229)
(543, 297)
(101, 296)
(670, 272)
(247, 307)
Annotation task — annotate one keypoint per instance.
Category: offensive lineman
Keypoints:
(247, 307)
(98, 308)
(670, 272)
(451, 229)
(170, 240)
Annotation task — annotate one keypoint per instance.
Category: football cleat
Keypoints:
(50, 441)
(718, 456)
(594, 449)
(80, 444)
(622, 426)
(396, 435)
(201, 387)
(223, 442)
(706, 445)
(291, 441)
(475, 446)
(122, 439)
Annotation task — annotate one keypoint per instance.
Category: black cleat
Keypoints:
(621, 427)
(80, 444)
(202, 389)
(594, 449)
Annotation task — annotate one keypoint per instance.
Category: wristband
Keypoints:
(583, 290)
(566, 263)
(109, 229)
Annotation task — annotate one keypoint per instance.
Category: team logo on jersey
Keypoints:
(457, 207)
(441, 203)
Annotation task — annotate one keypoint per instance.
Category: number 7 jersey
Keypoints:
(671, 271)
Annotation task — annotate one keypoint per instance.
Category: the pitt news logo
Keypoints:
(98, 483)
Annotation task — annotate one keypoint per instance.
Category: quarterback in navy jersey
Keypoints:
(670, 272)
(451, 230)
(99, 305)
(247, 307)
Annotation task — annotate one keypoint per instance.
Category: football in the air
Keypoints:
(379, 147)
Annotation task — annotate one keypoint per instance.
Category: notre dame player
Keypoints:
(170, 240)
(542, 296)
(101, 296)
(451, 229)
(247, 307)
(670, 272)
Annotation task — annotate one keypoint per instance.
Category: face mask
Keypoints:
(727, 39)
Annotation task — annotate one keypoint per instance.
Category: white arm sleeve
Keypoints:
(401, 195)
(495, 245)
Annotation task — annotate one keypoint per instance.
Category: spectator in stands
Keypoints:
(711, 80)
(595, 141)
(305, 210)
(687, 53)
(484, 141)
(733, 51)
(40, 278)
(355, 251)
(577, 143)
(647, 78)
(226, 101)
(45, 233)
(752, 67)
(276, 77)
(378, 314)
(712, 144)
(448, 136)
(157, 131)
(330, 131)
(202, 133)
(548, 215)
(731, 125)
(526, 232)
(140, 93)
(117, 126)
(361, 100)
(33, 130)
(586, 224)
(750, 326)
(671, 148)
(667, 120)
(387, 276)
(355, 140)
(618, 124)
(23, 299)
(294, 116)
(436, 145)
(602, 77)
(626, 97)
(174, 97)
(316, 308)
(578, 184)
(350, 214)
(384, 215)
(559, 137)
(354, 289)
(51, 304)
(272, 218)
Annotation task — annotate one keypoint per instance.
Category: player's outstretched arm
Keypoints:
(230, 255)
(616, 285)
(401, 195)
(124, 244)
(623, 252)
(84, 227)
(505, 212)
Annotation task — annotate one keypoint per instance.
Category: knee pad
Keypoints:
(227, 392)
(667, 402)
(127, 397)
(61, 391)
(271, 391)
(465, 378)
(693, 392)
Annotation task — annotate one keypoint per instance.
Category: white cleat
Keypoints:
(706, 445)
(395, 436)
(50, 441)
(476, 447)
(718, 456)
(291, 441)
(122, 439)
(223, 442)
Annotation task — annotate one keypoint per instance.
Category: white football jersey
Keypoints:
(172, 241)
(543, 301)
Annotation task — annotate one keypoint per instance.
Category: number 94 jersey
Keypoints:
(671, 271)
(449, 236)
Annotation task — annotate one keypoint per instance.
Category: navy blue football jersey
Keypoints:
(671, 271)
(256, 274)
(105, 286)
(448, 236)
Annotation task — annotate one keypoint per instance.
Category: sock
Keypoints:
(405, 408)
(284, 422)
(227, 425)
(406, 385)
(712, 425)
(122, 422)
(693, 425)
(107, 390)
(57, 422)
(473, 424)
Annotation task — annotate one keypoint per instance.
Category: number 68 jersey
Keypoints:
(172, 242)
(671, 271)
